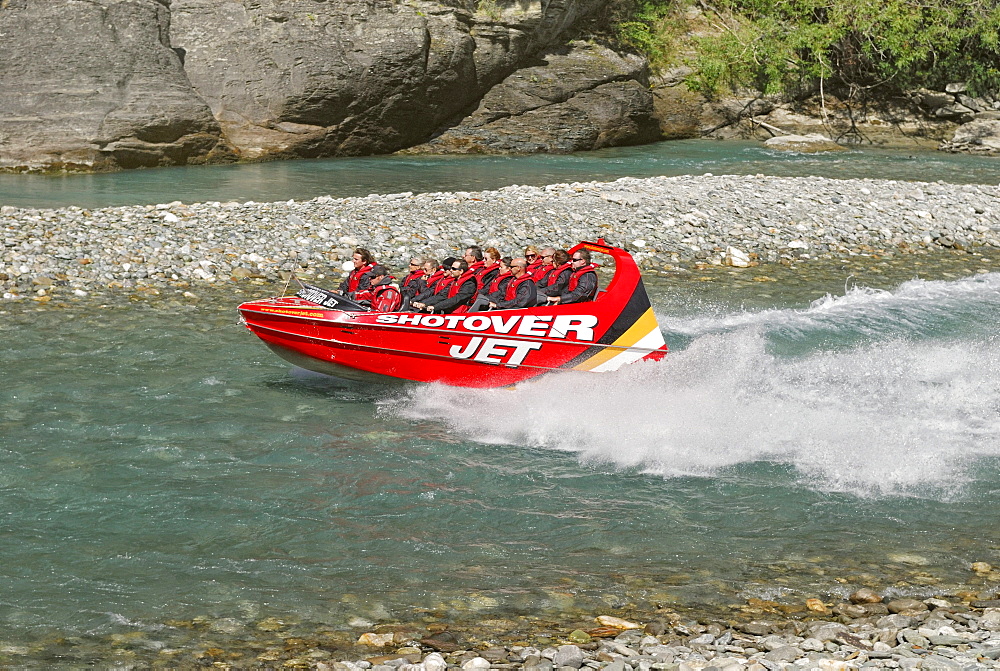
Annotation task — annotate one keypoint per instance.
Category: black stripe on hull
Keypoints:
(636, 307)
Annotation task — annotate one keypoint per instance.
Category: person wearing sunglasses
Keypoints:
(460, 292)
(436, 279)
(520, 291)
(543, 265)
(554, 280)
(533, 258)
(582, 281)
(413, 282)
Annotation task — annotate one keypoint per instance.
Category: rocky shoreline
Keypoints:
(671, 224)
(860, 629)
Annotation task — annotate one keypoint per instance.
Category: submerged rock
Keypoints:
(809, 144)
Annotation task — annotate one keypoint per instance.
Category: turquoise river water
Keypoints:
(160, 464)
(303, 180)
(835, 427)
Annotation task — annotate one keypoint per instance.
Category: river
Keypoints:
(170, 484)
(305, 179)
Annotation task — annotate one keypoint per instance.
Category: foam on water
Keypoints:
(918, 307)
(909, 409)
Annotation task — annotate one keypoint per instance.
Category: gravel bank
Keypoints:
(859, 630)
(668, 222)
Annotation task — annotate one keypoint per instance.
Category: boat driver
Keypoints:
(360, 278)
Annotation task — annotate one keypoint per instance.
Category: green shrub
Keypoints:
(850, 47)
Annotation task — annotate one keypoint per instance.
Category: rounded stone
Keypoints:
(865, 595)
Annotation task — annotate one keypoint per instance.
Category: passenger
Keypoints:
(360, 278)
(484, 270)
(533, 258)
(434, 276)
(492, 255)
(556, 279)
(416, 281)
(496, 288)
(385, 294)
(461, 291)
(520, 291)
(411, 283)
(545, 266)
(474, 257)
(582, 284)
(499, 284)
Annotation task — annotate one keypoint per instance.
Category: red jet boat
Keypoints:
(325, 332)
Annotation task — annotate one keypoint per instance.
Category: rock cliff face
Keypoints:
(95, 85)
(308, 78)
(949, 119)
(582, 96)
(107, 84)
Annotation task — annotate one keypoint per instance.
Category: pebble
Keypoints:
(669, 223)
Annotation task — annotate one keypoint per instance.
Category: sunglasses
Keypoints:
(530, 256)
(415, 265)
(456, 267)
(575, 260)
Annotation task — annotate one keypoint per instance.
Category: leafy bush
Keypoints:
(848, 47)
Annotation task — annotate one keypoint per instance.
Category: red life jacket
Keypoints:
(484, 271)
(514, 284)
(443, 284)
(467, 276)
(495, 284)
(541, 274)
(386, 298)
(553, 275)
(533, 266)
(574, 279)
(355, 277)
(416, 274)
(462, 279)
(433, 279)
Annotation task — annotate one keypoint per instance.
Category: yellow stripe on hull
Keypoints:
(644, 333)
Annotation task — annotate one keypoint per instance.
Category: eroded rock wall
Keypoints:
(107, 84)
(579, 97)
(308, 78)
(96, 85)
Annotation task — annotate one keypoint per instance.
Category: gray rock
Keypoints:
(583, 96)
(939, 663)
(980, 136)
(342, 78)
(827, 631)
(809, 144)
(568, 655)
(96, 86)
(907, 606)
(787, 653)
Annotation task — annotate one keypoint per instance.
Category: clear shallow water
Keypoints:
(305, 179)
(161, 464)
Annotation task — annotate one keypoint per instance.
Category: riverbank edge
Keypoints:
(670, 224)
(848, 629)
